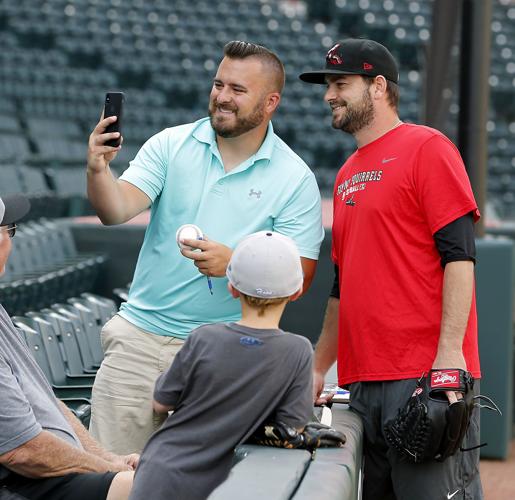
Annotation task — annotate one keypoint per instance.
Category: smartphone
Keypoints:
(113, 106)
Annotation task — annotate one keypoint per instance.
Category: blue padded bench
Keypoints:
(262, 472)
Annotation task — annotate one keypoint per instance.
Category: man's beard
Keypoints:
(356, 116)
(240, 125)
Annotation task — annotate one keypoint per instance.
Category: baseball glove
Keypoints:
(314, 435)
(428, 427)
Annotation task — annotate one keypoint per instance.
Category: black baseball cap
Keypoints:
(13, 208)
(356, 56)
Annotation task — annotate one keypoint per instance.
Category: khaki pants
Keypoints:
(122, 418)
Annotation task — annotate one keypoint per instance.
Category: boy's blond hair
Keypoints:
(262, 304)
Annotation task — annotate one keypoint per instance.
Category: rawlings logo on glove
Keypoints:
(450, 379)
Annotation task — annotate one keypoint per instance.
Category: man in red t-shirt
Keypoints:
(403, 301)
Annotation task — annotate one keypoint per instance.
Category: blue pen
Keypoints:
(209, 283)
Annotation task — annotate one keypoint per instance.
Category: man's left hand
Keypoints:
(213, 258)
(450, 359)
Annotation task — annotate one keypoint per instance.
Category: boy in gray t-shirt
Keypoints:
(229, 377)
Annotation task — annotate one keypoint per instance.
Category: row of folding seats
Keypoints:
(162, 48)
(33, 182)
(65, 342)
(55, 192)
(46, 267)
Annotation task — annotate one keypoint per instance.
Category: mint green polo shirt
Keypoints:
(181, 171)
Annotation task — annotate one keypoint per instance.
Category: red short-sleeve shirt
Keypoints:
(390, 197)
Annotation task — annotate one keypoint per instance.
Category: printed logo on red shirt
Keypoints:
(445, 378)
(357, 182)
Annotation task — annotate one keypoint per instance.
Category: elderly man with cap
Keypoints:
(403, 299)
(45, 452)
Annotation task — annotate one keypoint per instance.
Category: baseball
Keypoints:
(188, 231)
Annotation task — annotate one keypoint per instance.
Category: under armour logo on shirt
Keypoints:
(257, 194)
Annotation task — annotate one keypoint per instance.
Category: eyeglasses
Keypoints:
(10, 230)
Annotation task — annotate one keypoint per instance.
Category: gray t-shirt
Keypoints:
(27, 403)
(223, 383)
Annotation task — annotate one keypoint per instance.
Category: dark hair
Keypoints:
(392, 90)
(241, 50)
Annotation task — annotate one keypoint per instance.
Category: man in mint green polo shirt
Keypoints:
(230, 175)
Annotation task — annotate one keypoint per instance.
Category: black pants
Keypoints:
(90, 486)
(386, 475)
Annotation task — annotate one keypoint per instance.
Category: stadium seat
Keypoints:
(46, 267)
(69, 183)
(105, 308)
(81, 333)
(66, 330)
(44, 202)
(46, 352)
(13, 148)
(9, 124)
(92, 325)
(80, 407)
(61, 348)
(121, 294)
(10, 180)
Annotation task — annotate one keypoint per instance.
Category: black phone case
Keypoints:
(113, 106)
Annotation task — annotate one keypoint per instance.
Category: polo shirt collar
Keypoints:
(205, 133)
(267, 148)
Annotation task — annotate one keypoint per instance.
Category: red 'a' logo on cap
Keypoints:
(367, 66)
(332, 56)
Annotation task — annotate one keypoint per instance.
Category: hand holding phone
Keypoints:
(113, 106)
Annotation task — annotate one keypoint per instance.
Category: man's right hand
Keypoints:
(99, 155)
(318, 387)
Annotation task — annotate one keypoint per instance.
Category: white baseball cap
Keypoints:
(266, 265)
